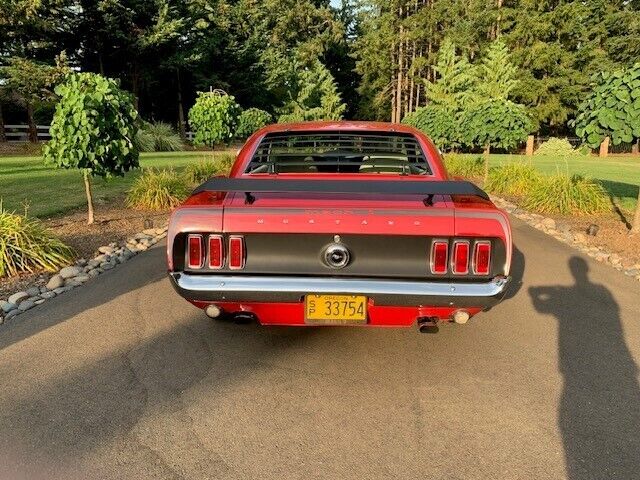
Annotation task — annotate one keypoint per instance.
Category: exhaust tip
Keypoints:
(213, 311)
(243, 318)
(461, 317)
(428, 325)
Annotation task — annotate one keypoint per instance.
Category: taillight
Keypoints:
(439, 256)
(216, 252)
(460, 262)
(236, 252)
(482, 258)
(195, 256)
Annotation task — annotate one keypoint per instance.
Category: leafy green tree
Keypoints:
(439, 123)
(497, 124)
(32, 82)
(495, 75)
(453, 86)
(314, 96)
(612, 109)
(251, 120)
(93, 129)
(214, 117)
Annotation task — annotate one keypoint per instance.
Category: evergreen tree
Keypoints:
(454, 82)
(496, 75)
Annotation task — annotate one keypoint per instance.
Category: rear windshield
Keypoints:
(339, 152)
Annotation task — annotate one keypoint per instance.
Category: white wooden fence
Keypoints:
(20, 133)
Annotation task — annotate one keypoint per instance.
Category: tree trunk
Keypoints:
(33, 131)
(399, 78)
(604, 147)
(3, 135)
(635, 148)
(181, 125)
(100, 64)
(135, 84)
(487, 151)
(635, 226)
(530, 144)
(87, 189)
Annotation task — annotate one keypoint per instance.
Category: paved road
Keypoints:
(122, 379)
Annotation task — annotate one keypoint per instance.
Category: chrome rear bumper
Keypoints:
(286, 289)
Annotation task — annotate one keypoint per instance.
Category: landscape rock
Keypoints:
(81, 262)
(55, 282)
(33, 291)
(106, 249)
(93, 263)
(107, 266)
(6, 307)
(18, 297)
(149, 231)
(26, 305)
(60, 290)
(48, 294)
(39, 302)
(548, 223)
(68, 272)
(82, 278)
(579, 238)
(12, 314)
(102, 258)
(93, 273)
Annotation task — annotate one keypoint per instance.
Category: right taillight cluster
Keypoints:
(460, 257)
(209, 251)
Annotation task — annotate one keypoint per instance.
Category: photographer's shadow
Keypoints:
(599, 413)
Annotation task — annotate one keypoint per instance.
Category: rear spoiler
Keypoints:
(427, 188)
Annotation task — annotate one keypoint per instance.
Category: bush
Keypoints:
(463, 166)
(251, 120)
(213, 118)
(558, 147)
(158, 137)
(201, 171)
(439, 123)
(26, 245)
(565, 195)
(157, 190)
(512, 179)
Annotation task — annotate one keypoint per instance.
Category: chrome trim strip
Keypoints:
(253, 285)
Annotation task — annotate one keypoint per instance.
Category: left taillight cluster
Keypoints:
(213, 252)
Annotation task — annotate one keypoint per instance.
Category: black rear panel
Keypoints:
(383, 256)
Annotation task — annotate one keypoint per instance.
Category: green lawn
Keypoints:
(50, 191)
(620, 175)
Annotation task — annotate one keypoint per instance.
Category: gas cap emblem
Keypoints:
(337, 256)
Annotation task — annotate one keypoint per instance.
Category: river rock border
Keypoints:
(562, 232)
(81, 272)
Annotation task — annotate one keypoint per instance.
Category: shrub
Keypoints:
(26, 245)
(512, 179)
(157, 190)
(438, 122)
(463, 166)
(158, 137)
(201, 171)
(558, 147)
(564, 194)
(213, 117)
(251, 120)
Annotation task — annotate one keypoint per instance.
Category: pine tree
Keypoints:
(496, 75)
(454, 79)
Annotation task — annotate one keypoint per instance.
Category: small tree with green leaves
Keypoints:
(496, 75)
(497, 124)
(251, 120)
(214, 118)
(93, 128)
(314, 96)
(439, 123)
(612, 110)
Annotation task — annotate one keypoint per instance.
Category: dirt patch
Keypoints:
(113, 224)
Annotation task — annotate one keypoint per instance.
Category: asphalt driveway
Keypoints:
(123, 379)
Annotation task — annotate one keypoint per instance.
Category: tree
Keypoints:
(93, 129)
(214, 117)
(612, 110)
(251, 120)
(454, 82)
(497, 124)
(313, 96)
(439, 123)
(31, 81)
(496, 75)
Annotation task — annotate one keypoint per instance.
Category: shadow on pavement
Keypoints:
(143, 269)
(517, 273)
(599, 413)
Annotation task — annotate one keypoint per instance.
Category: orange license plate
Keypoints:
(335, 309)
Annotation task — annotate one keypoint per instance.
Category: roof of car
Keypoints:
(338, 125)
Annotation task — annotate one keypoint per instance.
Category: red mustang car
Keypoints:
(350, 223)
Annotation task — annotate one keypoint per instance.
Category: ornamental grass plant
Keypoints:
(157, 190)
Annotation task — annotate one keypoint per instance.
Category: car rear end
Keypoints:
(325, 257)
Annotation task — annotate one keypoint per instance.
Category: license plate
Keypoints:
(335, 309)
